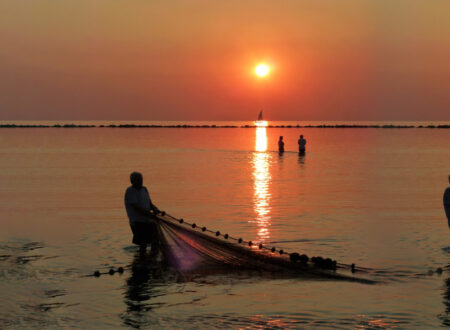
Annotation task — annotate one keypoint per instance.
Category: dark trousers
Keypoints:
(145, 233)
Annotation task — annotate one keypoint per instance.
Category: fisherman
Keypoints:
(141, 213)
(447, 202)
(281, 145)
(301, 145)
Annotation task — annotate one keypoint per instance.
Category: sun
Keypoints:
(262, 70)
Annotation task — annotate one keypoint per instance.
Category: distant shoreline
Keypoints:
(216, 126)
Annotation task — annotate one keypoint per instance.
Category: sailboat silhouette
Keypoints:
(260, 116)
(260, 121)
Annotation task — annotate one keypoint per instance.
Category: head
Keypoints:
(301, 136)
(136, 180)
(281, 138)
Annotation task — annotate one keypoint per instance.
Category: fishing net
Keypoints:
(190, 248)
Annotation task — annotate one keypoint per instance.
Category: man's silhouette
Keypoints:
(141, 213)
(301, 145)
(281, 145)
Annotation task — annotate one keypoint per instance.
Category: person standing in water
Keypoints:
(301, 145)
(446, 201)
(281, 145)
(141, 213)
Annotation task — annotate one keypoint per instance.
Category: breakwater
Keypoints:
(389, 126)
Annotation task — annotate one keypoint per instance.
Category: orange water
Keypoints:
(369, 196)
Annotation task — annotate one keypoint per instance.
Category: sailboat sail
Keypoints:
(260, 116)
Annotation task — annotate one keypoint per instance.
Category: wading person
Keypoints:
(447, 202)
(141, 213)
(301, 145)
(280, 145)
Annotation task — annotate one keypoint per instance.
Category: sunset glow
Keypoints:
(305, 58)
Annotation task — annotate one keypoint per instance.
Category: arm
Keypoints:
(140, 210)
(154, 208)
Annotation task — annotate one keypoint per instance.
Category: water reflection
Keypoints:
(445, 316)
(301, 159)
(261, 182)
(261, 137)
(146, 282)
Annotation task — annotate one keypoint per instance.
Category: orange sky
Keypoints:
(194, 60)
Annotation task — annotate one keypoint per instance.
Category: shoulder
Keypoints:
(447, 195)
(130, 191)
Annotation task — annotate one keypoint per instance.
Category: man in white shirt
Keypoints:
(141, 213)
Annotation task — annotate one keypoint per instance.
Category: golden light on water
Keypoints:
(261, 123)
(261, 183)
(261, 138)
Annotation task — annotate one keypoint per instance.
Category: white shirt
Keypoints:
(141, 198)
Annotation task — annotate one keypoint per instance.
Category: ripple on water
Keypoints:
(286, 321)
(15, 259)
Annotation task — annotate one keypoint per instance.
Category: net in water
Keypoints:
(189, 248)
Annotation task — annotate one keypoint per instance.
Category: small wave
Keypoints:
(303, 240)
(21, 246)
(55, 293)
(131, 248)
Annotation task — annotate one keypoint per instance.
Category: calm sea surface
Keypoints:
(368, 196)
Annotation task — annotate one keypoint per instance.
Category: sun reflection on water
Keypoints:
(261, 185)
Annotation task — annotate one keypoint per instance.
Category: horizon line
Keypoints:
(216, 126)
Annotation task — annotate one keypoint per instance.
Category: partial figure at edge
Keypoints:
(280, 145)
(301, 145)
(142, 214)
(446, 201)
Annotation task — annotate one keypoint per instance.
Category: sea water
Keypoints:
(367, 196)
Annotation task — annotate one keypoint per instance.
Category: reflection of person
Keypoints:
(445, 316)
(142, 286)
(281, 144)
(141, 213)
(446, 200)
(301, 145)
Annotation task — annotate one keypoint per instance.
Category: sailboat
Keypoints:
(260, 116)
(260, 121)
